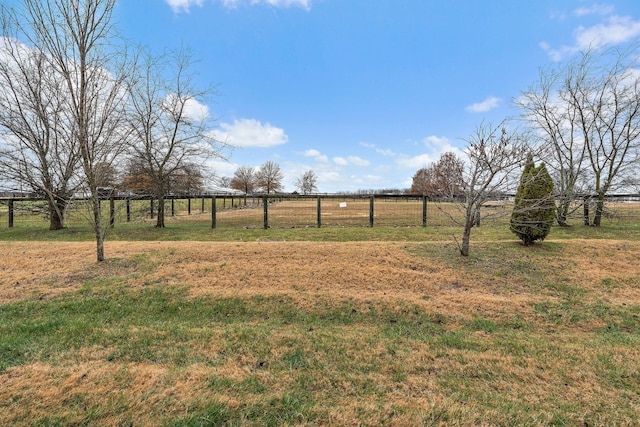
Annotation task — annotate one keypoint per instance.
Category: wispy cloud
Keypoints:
(340, 161)
(183, 5)
(616, 30)
(595, 9)
(437, 141)
(252, 133)
(481, 107)
(357, 161)
(435, 147)
(351, 161)
(306, 4)
(318, 156)
(383, 152)
(612, 30)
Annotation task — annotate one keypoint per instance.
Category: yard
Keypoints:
(322, 332)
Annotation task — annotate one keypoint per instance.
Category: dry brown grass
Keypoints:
(437, 385)
(306, 270)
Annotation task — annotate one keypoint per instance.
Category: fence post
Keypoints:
(151, 208)
(128, 210)
(424, 211)
(189, 206)
(213, 211)
(11, 210)
(112, 211)
(319, 212)
(265, 203)
(371, 213)
(202, 208)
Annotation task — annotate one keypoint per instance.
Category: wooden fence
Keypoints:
(291, 210)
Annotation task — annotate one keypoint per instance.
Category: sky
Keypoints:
(366, 92)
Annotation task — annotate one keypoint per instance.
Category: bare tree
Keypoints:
(78, 41)
(37, 149)
(608, 107)
(269, 177)
(106, 175)
(307, 183)
(549, 110)
(225, 181)
(187, 180)
(171, 128)
(589, 112)
(494, 157)
(244, 179)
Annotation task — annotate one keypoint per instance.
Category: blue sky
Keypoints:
(365, 92)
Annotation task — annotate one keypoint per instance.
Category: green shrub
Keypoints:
(534, 207)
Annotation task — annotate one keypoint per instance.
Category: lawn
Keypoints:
(273, 331)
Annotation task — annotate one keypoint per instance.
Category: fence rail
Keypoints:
(293, 211)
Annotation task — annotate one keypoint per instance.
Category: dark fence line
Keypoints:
(294, 210)
(36, 206)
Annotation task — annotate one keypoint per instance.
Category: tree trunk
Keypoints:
(476, 220)
(562, 211)
(97, 218)
(56, 214)
(466, 237)
(585, 211)
(160, 221)
(597, 219)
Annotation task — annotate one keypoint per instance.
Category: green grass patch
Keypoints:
(327, 353)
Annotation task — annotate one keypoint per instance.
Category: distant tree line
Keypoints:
(268, 179)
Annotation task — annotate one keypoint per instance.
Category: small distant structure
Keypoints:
(216, 189)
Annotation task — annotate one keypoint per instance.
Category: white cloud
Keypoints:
(195, 110)
(340, 161)
(481, 107)
(616, 30)
(252, 133)
(306, 4)
(436, 146)
(319, 157)
(416, 162)
(221, 168)
(189, 108)
(357, 161)
(613, 30)
(382, 152)
(596, 9)
(351, 161)
(438, 141)
(183, 5)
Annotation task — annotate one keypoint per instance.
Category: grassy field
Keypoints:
(336, 326)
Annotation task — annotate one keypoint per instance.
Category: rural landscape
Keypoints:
(141, 284)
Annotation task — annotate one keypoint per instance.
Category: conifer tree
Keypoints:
(534, 209)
